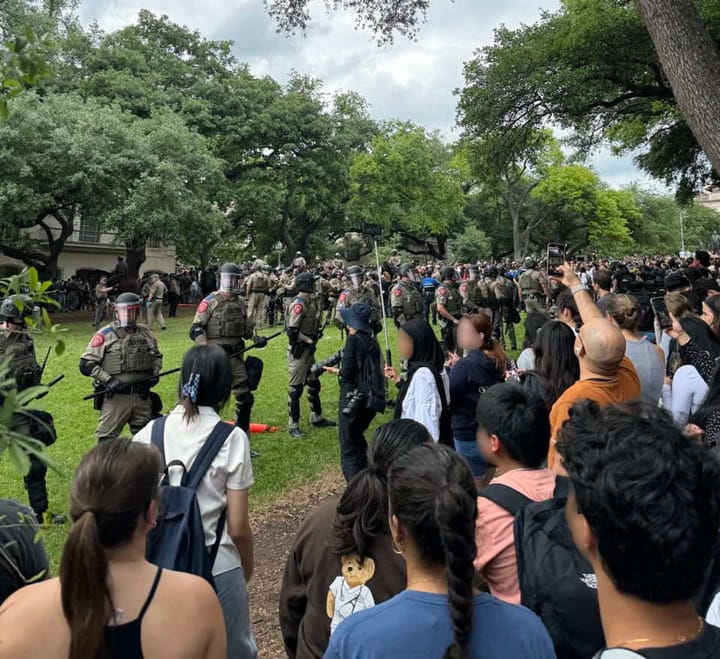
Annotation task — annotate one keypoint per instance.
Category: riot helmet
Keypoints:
(530, 263)
(127, 309)
(230, 278)
(355, 273)
(305, 282)
(492, 272)
(448, 273)
(16, 308)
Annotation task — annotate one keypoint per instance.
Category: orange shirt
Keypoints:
(625, 386)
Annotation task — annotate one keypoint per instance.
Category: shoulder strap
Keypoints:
(505, 497)
(562, 487)
(157, 436)
(207, 453)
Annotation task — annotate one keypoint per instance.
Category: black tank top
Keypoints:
(124, 641)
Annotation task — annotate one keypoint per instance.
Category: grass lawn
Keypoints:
(284, 461)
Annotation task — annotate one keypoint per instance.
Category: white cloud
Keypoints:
(408, 80)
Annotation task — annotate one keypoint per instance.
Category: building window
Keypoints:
(89, 231)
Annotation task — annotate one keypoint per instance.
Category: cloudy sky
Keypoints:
(409, 80)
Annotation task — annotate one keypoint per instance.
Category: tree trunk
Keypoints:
(514, 211)
(691, 62)
(135, 257)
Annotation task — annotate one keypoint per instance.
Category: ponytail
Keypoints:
(454, 507)
(86, 600)
(433, 495)
(496, 354)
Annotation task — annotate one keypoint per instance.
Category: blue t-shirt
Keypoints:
(417, 625)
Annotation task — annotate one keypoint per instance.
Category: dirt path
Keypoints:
(274, 528)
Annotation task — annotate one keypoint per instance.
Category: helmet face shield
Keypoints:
(127, 313)
(356, 280)
(229, 282)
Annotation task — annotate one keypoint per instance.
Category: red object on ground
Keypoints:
(258, 428)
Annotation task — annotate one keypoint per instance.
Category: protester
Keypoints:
(704, 422)
(711, 314)
(433, 510)
(533, 323)
(109, 601)
(647, 358)
(606, 375)
(555, 358)
(482, 366)
(644, 508)
(602, 285)
(359, 346)
(22, 553)
(335, 533)
(513, 435)
(205, 387)
(424, 393)
(567, 311)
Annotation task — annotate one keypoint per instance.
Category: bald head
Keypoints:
(603, 346)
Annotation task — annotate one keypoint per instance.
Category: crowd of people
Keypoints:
(566, 504)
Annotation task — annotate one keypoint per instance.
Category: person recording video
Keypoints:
(362, 387)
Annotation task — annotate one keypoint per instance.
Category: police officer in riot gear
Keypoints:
(17, 345)
(447, 299)
(406, 303)
(304, 331)
(123, 358)
(533, 288)
(359, 292)
(221, 318)
(257, 287)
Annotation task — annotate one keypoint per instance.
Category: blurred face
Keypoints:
(707, 315)
(229, 283)
(127, 314)
(405, 345)
(467, 337)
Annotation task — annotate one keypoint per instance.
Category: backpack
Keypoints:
(371, 381)
(556, 581)
(178, 540)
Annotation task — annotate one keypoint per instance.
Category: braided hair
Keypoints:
(432, 494)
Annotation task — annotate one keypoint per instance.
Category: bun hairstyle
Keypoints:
(205, 379)
(113, 487)
(433, 495)
(482, 324)
(362, 512)
(625, 310)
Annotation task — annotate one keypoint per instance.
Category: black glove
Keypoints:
(115, 386)
(260, 341)
(151, 382)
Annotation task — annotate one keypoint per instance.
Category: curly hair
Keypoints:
(650, 496)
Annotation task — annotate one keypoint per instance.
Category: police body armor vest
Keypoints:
(453, 300)
(530, 282)
(412, 302)
(309, 323)
(484, 296)
(228, 320)
(258, 284)
(132, 353)
(23, 365)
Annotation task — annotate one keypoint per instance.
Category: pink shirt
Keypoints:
(494, 531)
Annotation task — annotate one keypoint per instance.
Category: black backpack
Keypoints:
(178, 540)
(371, 381)
(556, 581)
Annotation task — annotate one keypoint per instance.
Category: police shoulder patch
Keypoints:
(97, 340)
(202, 307)
(463, 288)
(342, 297)
(297, 308)
(397, 292)
(442, 290)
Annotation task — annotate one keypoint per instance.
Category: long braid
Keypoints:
(453, 511)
